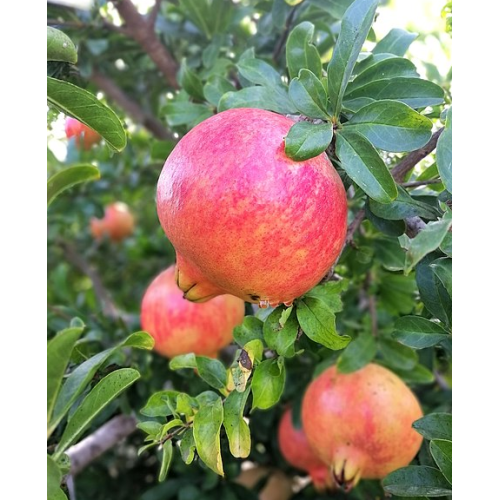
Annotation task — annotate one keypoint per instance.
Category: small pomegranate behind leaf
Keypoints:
(85, 137)
(118, 223)
(360, 423)
(179, 326)
(297, 451)
(243, 217)
(277, 485)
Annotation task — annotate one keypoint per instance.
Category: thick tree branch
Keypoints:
(142, 31)
(102, 440)
(116, 94)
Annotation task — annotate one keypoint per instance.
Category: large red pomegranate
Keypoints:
(244, 218)
(179, 326)
(85, 137)
(117, 223)
(297, 451)
(360, 423)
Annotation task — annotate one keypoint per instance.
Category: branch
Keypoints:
(142, 31)
(284, 35)
(116, 94)
(103, 439)
(153, 15)
(353, 226)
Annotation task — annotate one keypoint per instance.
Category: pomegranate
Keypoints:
(179, 326)
(245, 218)
(85, 137)
(360, 423)
(117, 224)
(297, 451)
(277, 486)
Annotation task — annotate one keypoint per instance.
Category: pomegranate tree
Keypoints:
(245, 218)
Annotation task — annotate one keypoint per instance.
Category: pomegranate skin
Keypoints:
(360, 423)
(117, 223)
(297, 451)
(85, 137)
(243, 217)
(179, 326)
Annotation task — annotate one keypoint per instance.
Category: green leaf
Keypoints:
(383, 69)
(441, 452)
(206, 432)
(416, 480)
(391, 126)
(58, 353)
(389, 253)
(418, 332)
(215, 88)
(300, 52)
(388, 227)
(250, 329)
(268, 382)
(158, 404)
(318, 323)
(419, 374)
(166, 459)
(68, 177)
(426, 242)
(434, 426)
(212, 371)
(85, 107)
(280, 336)
(259, 72)
(329, 293)
(397, 355)
(99, 397)
(354, 29)
(60, 47)
(273, 99)
(150, 427)
(237, 430)
(402, 207)
(395, 42)
(357, 354)
(83, 374)
(334, 8)
(415, 92)
(444, 153)
(199, 13)
(54, 477)
(307, 140)
(183, 361)
(187, 446)
(364, 166)
(442, 268)
(186, 113)
(190, 81)
(309, 95)
(446, 245)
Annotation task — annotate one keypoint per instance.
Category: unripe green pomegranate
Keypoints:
(360, 424)
(179, 326)
(85, 137)
(246, 219)
(297, 451)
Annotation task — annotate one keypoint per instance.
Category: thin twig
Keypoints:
(153, 15)
(284, 35)
(353, 226)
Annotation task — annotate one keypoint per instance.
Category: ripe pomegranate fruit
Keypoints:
(297, 451)
(85, 137)
(360, 423)
(117, 224)
(179, 326)
(246, 219)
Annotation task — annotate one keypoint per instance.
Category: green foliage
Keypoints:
(70, 177)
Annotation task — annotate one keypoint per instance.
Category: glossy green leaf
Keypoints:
(383, 69)
(150, 427)
(185, 113)
(390, 254)
(83, 374)
(85, 107)
(58, 353)
(395, 42)
(442, 268)
(417, 480)
(402, 207)
(388, 227)
(54, 477)
(354, 29)
(419, 374)
(183, 361)
(354, 105)
(237, 430)
(307, 140)
(364, 166)
(418, 332)
(300, 52)
(398, 355)
(391, 126)
(281, 336)
(99, 397)
(426, 242)
(190, 81)
(441, 452)
(198, 11)
(212, 371)
(446, 245)
(318, 323)
(309, 95)
(357, 354)
(69, 177)
(435, 426)
(250, 329)
(187, 446)
(268, 382)
(444, 153)
(259, 72)
(334, 8)
(166, 459)
(60, 47)
(206, 432)
(215, 88)
(272, 99)
(414, 92)
(329, 292)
